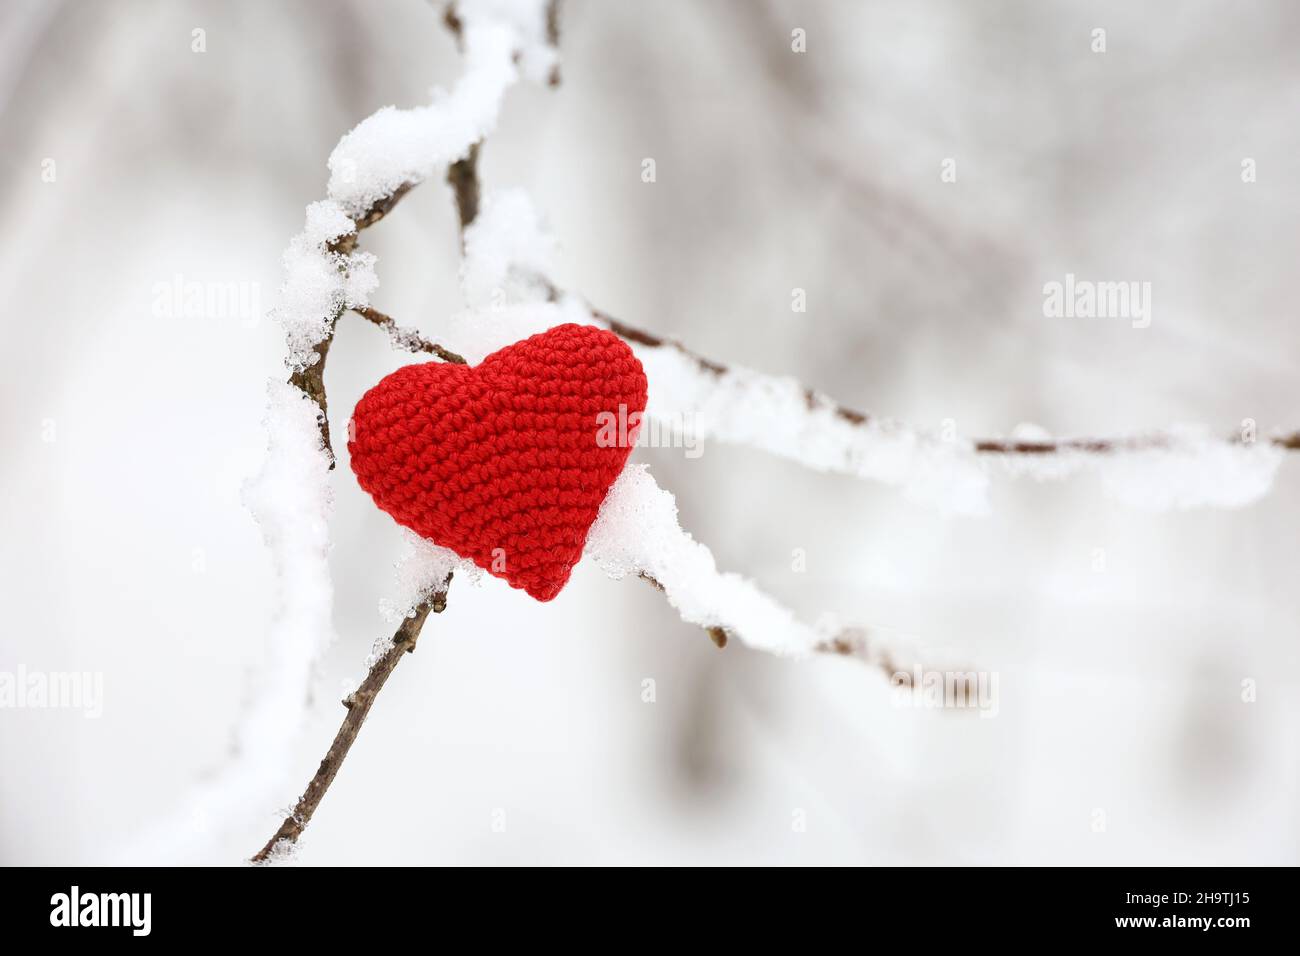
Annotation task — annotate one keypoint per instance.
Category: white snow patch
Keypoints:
(775, 414)
(477, 333)
(527, 21)
(420, 572)
(319, 284)
(502, 39)
(507, 250)
(1194, 471)
(395, 146)
(637, 532)
(291, 500)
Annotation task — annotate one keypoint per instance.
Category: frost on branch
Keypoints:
(1182, 467)
(393, 146)
(527, 19)
(508, 253)
(778, 415)
(421, 571)
(318, 283)
(637, 533)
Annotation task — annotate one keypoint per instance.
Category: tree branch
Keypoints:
(378, 210)
(718, 635)
(849, 642)
(983, 446)
(464, 179)
(1105, 446)
(311, 380)
(407, 339)
(462, 176)
(358, 704)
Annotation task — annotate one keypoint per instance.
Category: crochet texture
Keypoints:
(506, 462)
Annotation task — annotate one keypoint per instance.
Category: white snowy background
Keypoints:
(128, 436)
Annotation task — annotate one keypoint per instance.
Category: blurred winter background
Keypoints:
(1121, 638)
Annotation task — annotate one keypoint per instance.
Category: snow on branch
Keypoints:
(371, 169)
(637, 534)
(1180, 467)
(508, 256)
(394, 147)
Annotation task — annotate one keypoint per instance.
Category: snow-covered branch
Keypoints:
(507, 259)
(372, 167)
(508, 256)
(1179, 467)
(638, 534)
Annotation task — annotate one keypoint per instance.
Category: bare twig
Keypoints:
(553, 37)
(1105, 446)
(381, 208)
(407, 339)
(358, 704)
(311, 380)
(855, 643)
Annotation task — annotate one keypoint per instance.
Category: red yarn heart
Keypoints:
(506, 462)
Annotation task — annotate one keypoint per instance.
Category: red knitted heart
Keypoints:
(506, 462)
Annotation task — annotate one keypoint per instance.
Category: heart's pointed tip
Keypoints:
(545, 592)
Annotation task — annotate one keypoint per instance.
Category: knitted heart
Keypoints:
(506, 462)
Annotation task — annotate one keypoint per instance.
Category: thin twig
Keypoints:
(358, 704)
(553, 38)
(407, 339)
(311, 380)
(381, 208)
(1106, 446)
(854, 642)
(983, 446)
